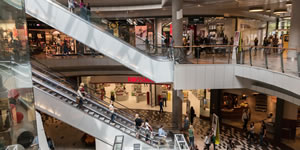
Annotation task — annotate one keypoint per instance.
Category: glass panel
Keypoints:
(17, 114)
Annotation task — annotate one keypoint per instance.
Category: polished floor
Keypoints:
(202, 127)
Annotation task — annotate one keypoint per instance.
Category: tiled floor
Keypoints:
(201, 128)
(64, 136)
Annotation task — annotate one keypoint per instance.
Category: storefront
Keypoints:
(132, 91)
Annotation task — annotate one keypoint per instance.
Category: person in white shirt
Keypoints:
(207, 140)
(112, 111)
(162, 133)
(148, 130)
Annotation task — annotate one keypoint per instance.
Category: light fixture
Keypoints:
(199, 5)
(280, 11)
(287, 18)
(257, 9)
(268, 10)
(289, 3)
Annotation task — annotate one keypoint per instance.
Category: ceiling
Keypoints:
(155, 8)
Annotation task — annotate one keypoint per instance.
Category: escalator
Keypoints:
(58, 101)
(56, 15)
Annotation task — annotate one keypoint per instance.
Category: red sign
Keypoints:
(139, 80)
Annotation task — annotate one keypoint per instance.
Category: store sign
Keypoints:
(139, 80)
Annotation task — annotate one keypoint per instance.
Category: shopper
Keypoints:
(162, 134)
(50, 143)
(81, 92)
(79, 102)
(164, 97)
(213, 138)
(65, 48)
(186, 123)
(262, 133)
(112, 111)
(255, 44)
(71, 5)
(245, 119)
(192, 115)
(148, 130)
(266, 43)
(88, 12)
(275, 44)
(138, 124)
(161, 105)
(191, 136)
(251, 132)
(112, 96)
(82, 9)
(207, 140)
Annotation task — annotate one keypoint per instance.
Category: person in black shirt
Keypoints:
(262, 133)
(138, 124)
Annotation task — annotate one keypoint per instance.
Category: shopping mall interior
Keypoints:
(150, 74)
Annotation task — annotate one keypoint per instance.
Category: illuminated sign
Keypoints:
(139, 80)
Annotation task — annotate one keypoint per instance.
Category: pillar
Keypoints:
(278, 119)
(215, 103)
(267, 29)
(236, 24)
(177, 96)
(294, 39)
(289, 121)
(177, 26)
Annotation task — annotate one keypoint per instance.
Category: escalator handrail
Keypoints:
(64, 8)
(73, 92)
(68, 97)
(92, 101)
(67, 82)
(70, 84)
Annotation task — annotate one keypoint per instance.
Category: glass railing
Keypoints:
(118, 143)
(109, 27)
(180, 142)
(272, 58)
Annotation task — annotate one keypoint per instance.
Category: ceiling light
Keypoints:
(280, 11)
(256, 9)
(288, 3)
(268, 10)
(199, 5)
(287, 18)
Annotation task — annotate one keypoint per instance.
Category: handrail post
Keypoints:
(250, 56)
(266, 58)
(281, 60)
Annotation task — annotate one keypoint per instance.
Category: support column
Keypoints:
(177, 26)
(215, 103)
(278, 119)
(267, 29)
(289, 121)
(177, 96)
(236, 23)
(294, 39)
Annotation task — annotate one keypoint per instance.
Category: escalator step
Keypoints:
(91, 113)
(106, 120)
(70, 102)
(101, 118)
(75, 105)
(118, 126)
(86, 110)
(96, 115)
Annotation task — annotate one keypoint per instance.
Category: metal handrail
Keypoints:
(64, 8)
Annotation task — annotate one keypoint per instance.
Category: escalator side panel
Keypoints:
(56, 108)
(61, 19)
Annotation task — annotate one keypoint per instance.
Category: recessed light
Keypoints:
(280, 11)
(268, 10)
(287, 18)
(198, 5)
(258, 9)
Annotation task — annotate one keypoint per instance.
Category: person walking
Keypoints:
(275, 44)
(112, 96)
(255, 44)
(148, 131)
(262, 133)
(192, 115)
(207, 140)
(191, 136)
(88, 12)
(186, 123)
(138, 124)
(112, 111)
(161, 105)
(245, 119)
(251, 132)
(230, 145)
(81, 94)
